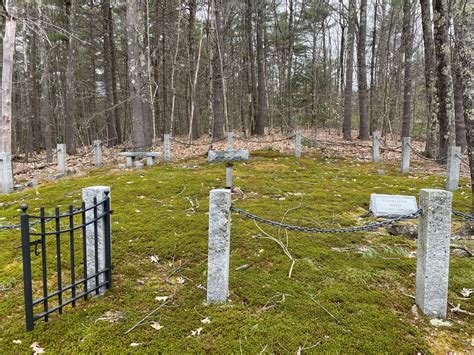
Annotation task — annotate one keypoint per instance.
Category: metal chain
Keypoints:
(197, 144)
(367, 227)
(462, 160)
(245, 139)
(466, 216)
(425, 158)
(390, 149)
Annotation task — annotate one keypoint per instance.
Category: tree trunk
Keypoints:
(260, 70)
(347, 124)
(252, 87)
(444, 87)
(407, 38)
(362, 73)
(465, 41)
(70, 96)
(289, 86)
(7, 82)
(217, 69)
(193, 119)
(136, 69)
(372, 117)
(110, 103)
(432, 119)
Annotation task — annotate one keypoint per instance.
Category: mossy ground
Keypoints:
(348, 292)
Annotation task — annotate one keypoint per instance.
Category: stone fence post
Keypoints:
(432, 256)
(229, 180)
(219, 246)
(97, 153)
(298, 144)
(230, 141)
(405, 155)
(167, 147)
(61, 152)
(6, 173)
(88, 195)
(376, 147)
(453, 168)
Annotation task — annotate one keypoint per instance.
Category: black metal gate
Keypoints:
(87, 226)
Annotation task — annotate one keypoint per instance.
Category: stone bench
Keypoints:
(131, 156)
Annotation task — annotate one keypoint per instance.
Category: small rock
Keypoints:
(407, 230)
(18, 187)
(440, 323)
(32, 183)
(462, 253)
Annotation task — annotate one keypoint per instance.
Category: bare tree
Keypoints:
(347, 124)
(70, 97)
(407, 41)
(362, 73)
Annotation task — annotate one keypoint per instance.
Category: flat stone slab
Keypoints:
(215, 156)
(140, 154)
(392, 205)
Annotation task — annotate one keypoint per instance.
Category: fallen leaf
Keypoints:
(466, 292)
(205, 320)
(440, 323)
(156, 325)
(162, 298)
(196, 333)
(181, 280)
(16, 341)
(154, 258)
(37, 349)
(135, 344)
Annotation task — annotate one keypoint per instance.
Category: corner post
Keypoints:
(26, 254)
(432, 260)
(61, 148)
(405, 155)
(376, 147)
(230, 141)
(97, 153)
(167, 147)
(229, 180)
(453, 167)
(219, 246)
(298, 144)
(89, 195)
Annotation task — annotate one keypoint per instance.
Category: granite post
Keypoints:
(405, 155)
(61, 151)
(6, 173)
(376, 147)
(298, 144)
(98, 153)
(88, 195)
(219, 246)
(230, 141)
(229, 181)
(454, 166)
(432, 256)
(167, 147)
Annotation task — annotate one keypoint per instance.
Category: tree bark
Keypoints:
(407, 38)
(347, 124)
(260, 70)
(70, 96)
(362, 73)
(137, 67)
(218, 73)
(444, 84)
(429, 54)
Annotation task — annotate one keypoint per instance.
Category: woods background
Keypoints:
(132, 70)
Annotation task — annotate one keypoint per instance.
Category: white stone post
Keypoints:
(167, 147)
(454, 166)
(229, 181)
(298, 144)
(88, 194)
(61, 148)
(6, 173)
(219, 246)
(230, 141)
(376, 147)
(432, 256)
(97, 153)
(405, 155)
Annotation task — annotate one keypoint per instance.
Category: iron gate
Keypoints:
(87, 226)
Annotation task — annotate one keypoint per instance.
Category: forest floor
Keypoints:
(328, 144)
(347, 292)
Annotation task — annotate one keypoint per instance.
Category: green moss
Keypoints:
(348, 292)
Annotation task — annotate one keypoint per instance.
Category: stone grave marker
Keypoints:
(215, 156)
(392, 205)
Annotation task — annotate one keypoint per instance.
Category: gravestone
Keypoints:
(392, 205)
(230, 141)
(215, 156)
(298, 145)
(61, 151)
(376, 147)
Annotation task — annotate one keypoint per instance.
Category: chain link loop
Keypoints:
(367, 227)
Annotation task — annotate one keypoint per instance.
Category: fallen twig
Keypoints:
(146, 317)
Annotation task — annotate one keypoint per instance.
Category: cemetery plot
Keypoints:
(347, 292)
